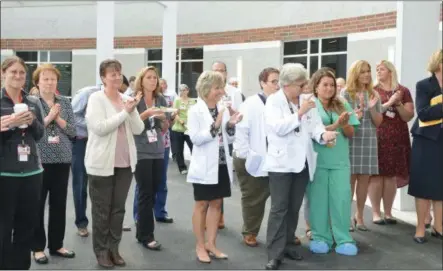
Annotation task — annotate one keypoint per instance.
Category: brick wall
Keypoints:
(286, 33)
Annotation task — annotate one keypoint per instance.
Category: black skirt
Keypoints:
(426, 180)
(208, 192)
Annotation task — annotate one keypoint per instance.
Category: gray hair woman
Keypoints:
(290, 161)
(211, 130)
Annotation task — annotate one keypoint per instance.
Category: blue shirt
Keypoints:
(79, 103)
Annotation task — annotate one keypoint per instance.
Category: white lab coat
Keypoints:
(287, 150)
(203, 168)
(250, 136)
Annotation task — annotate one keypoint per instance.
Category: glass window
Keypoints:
(314, 47)
(44, 56)
(64, 85)
(192, 53)
(28, 56)
(299, 59)
(158, 66)
(31, 69)
(60, 56)
(295, 48)
(336, 62)
(334, 45)
(190, 71)
(314, 65)
(154, 54)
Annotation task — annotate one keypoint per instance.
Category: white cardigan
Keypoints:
(102, 121)
(203, 168)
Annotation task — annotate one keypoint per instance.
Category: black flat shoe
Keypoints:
(391, 221)
(167, 220)
(273, 265)
(436, 234)
(68, 254)
(42, 260)
(420, 240)
(379, 222)
(293, 255)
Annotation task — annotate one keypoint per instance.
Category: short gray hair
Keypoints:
(292, 72)
(182, 87)
(207, 80)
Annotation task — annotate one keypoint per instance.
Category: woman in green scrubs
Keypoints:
(330, 192)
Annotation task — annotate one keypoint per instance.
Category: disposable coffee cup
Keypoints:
(18, 108)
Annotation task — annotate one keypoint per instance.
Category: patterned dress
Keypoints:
(394, 144)
(364, 145)
(205, 192)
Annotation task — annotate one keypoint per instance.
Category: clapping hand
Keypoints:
(373, 101)
(343, 119)
(130, 104)
(329, 136)
(236, 118)
(219, 119)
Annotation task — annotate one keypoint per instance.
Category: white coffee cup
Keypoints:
(18, 108)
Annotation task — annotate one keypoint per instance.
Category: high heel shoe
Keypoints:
(428, 225)
(436, 234)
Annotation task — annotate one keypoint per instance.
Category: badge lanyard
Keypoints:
(296, 130)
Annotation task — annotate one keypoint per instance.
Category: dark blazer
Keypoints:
(427, 89)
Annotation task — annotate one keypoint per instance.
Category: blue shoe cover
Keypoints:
(347, 249)
(319, 247)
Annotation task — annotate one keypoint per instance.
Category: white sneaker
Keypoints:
(183, 172)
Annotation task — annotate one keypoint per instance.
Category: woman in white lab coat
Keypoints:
(291, 126)
(211, 130)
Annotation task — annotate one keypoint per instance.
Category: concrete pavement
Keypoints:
(384, 247)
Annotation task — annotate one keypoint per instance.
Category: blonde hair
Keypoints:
(42, 68)
(352, 85)
(335, 103)
(435, 61)
(138, 85)
(34, 91)
(394, 78)
(207, 80)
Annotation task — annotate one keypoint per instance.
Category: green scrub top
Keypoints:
(336, 157)
(183, 108)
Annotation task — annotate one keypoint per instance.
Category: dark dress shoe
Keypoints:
(273, 265)
(391, 221)
(68, 254)
(379, 222)
(104, 259)
(166, 219)
(293, 255)
(436, 234)
(116, 258)
(42, 260)
(420, 240)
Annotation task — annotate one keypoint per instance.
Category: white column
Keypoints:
(417, 38)
(169, 42)
(105, 33)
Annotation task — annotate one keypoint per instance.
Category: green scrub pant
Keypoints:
(329, 196)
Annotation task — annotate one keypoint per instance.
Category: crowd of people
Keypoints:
(316, 139)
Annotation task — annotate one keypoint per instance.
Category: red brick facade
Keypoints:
(331, 28)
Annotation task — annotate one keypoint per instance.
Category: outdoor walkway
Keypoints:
(384, 247)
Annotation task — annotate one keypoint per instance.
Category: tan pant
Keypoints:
(255, 192)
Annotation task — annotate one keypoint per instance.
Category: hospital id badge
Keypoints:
(23, 152)
(152, 135)
(390, 114)
(53, 139)
(182, 107)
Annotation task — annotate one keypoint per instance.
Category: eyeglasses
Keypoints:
(274, 82)
(219, 71)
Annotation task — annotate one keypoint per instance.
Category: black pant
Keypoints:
(180, 139)
(55, 182)
(19, 202)
(173, 143)
(148, 175)
(108, 197)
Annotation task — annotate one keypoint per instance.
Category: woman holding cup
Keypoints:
(330, 192)
(20, 166)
